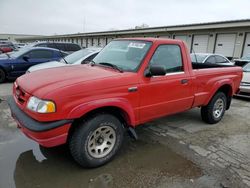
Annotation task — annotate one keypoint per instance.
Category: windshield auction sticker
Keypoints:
(136, 45)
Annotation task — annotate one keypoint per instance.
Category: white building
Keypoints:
(230, 38)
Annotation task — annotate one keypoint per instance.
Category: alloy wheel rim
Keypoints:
(101, 141)
(218, 108)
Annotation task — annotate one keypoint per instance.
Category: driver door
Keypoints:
(33, 57)
(168, 94)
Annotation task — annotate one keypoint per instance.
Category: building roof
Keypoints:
(171, 28)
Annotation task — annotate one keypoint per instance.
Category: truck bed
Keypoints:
(208, 65)
(206, 75)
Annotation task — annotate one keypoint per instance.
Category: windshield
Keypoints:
(124, 54)
(19, 53)
(246, 68)
(198, 59)
(72, 58)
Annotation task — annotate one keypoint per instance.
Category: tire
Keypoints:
(2, 76)
(95, 141)
(215, 110)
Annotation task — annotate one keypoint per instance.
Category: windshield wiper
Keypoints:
(111, 65)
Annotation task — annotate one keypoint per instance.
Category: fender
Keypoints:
(120, 103)
(217, 86)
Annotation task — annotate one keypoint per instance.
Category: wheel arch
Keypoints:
(118, 112)
(227, 89)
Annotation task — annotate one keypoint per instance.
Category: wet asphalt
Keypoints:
(179, 151)
(141, 163)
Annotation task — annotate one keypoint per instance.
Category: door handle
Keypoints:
(184, 81)
(132, 89)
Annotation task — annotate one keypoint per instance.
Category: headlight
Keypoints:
(41, 106)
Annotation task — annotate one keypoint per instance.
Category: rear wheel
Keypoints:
(2, 76)
(215, 110)
(96, 141)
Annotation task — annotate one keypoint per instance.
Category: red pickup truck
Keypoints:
(130, 82)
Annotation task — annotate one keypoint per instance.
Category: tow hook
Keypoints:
(132, 133)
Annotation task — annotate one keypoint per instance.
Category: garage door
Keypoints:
(164, 36)
(84, 42)
(95, 42)
(79, 41)
(247, 45)
(181, 37)
(225, 44)
(109, 40)
(102, 42)
(89, 42)
(200, 43)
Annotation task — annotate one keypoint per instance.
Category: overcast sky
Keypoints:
(48, 17)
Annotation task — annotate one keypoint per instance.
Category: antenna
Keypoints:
(195, 55)
(84, 24)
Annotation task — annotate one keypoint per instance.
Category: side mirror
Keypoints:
(155, 70)
(26, 58)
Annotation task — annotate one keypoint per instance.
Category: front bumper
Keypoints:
(48, 134)
(244, 91)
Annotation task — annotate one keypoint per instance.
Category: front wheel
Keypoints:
(215, 110)
(96, 141)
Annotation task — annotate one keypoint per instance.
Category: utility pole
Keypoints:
(84, 24)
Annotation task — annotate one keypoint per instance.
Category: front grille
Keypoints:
(20, 94)
(245, 83)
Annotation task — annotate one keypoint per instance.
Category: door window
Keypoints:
(211, 59)
(40, 54)
(72, 47)
(168, 56)
(220, 59)
(59, 46)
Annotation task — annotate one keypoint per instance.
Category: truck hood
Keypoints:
(50, 64)
(40, 83)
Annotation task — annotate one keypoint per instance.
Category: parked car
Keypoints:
(245, 83)
(20, 45)
(63, 46)
(76, 58)
(15, 64)
(243, 60)
(130, 82)
(7, 47)
(210, 59)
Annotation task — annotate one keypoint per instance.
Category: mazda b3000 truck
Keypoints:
(130, 82)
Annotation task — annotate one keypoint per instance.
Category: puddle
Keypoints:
(142, 163)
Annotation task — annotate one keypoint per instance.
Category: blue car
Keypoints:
(15, 64)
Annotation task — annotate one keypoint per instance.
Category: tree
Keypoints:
(142, 26)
